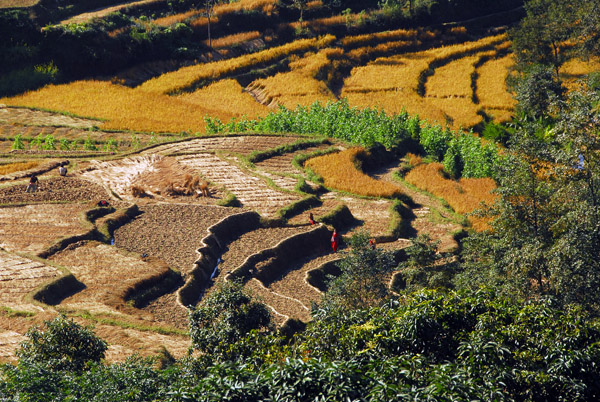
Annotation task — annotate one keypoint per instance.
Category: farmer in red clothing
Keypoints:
(335, 240)
(311, 219)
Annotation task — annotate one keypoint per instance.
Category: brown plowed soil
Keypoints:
(170, 232)
(293, 282)
(53, 189)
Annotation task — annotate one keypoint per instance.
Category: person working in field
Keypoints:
(62, 170)
(335, 240)
(32, 186)
(311, 219)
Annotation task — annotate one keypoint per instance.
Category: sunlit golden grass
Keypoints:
(17, 167)
(351, 42)
(452, 79)
(397, 102)
(123, 108)
(339, 172)
(173, 19)
(464, 196)
(300, 85)
(230, 40)
(461, 112)
(401, 73)
(451, 51)
(574, 70)
(491, 84)
(313, 63)
(186, 77)
(363, 54)
(264, 6)
(227, 96)
(289, 86)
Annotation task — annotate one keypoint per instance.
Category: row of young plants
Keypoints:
(49, 143)
(455, 346)
(463, 154)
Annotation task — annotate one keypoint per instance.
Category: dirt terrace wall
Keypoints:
(271, 263)
(213, 245)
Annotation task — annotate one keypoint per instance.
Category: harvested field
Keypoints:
(172, 233)
(97, 265)
(20, 276)
(253, 242)
(251, 191)
(374, 214)
(243, 145)
(34, 228)
(293, 282)
(283, 163)
(53, 189)
(30, 117)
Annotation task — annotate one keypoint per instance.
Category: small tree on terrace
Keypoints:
(361, 283)
(62, 344)
(225, 316)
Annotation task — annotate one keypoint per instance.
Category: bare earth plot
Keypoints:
(33, 228)
(52, 188)
(170, 232)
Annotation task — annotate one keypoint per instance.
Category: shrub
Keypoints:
(62, 344)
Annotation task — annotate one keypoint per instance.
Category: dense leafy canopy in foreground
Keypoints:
(428, 346)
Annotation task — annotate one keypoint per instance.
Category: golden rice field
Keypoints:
(226, 95)
(17, 167)
(339, 172)
(230, 40)
(186, 77)
(123, 108)
(464, 196)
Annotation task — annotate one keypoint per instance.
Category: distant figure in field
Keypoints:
(335, 240)
(311, 219)
(372, 244)
(32, 186)
(62, 170)
(204, 189)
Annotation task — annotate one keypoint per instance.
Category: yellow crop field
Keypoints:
(300, 85)
(227, 96)
(185, 77)
(230, 40)
(459, 111)
(339, 172)
(392, 82)
(464, 196)
(17, 167)
(350, 42)
(492, 92)
(173, 19)
(452, 79)
(123, 108)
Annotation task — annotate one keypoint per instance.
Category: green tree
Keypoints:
(62, 344)
(361, 283)
(541, 36)
(545, 228)
(537, 91)
(226, 315)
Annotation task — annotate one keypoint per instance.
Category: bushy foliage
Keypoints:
(227, 314)
(62, 344)
(427, 346)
